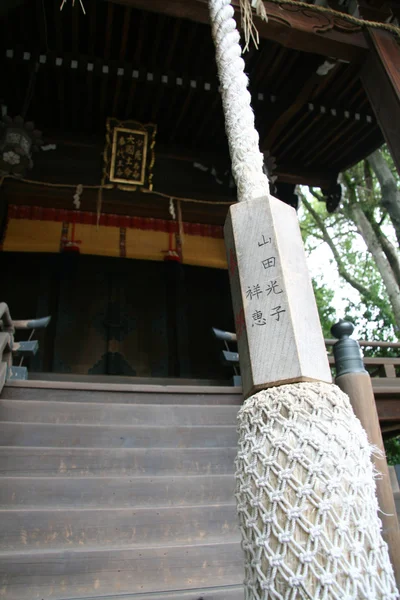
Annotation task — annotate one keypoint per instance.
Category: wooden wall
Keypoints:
(119, 316)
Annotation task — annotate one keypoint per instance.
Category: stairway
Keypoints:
(118, 491)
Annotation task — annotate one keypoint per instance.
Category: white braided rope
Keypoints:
(247, 160)
(306, 499)
(305, 484)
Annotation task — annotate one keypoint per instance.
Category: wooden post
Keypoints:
(394, 482)
(177, 326)
(380, 76)
(277, 325)
(354, 380)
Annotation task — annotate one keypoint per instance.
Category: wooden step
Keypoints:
(63, 462)
(118, 491)
(115, 492)
(121, 393)
(69, 528)
(231, 592)
(84, 413)
(115, 436)
(83, 574)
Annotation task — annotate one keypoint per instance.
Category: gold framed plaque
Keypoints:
(129, 153)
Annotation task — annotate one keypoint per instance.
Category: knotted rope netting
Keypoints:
(305, 482)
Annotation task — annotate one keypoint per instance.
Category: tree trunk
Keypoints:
(336, 255)
(366, 231)
(390, 193)
(389, 249)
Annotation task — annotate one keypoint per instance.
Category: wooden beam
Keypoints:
(92, 146)
(291, 110)
(134, 204)
(302, 29)
(322, 178)
(381, 79)
(8, 5)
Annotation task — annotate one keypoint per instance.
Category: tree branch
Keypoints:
(386, 245)
(390, 193)
(375, 247)
(388, 248)
(365, 292)
(381, 222)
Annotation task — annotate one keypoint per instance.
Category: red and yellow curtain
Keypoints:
(38, 229)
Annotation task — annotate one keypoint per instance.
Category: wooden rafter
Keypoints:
(381, 79)
(297, 29)
(293, 106)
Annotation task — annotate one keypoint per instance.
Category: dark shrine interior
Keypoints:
(69, 72)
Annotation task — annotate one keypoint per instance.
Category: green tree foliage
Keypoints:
(362, 243)
(362, 236)
(370, 311)
(392, 449)
(327, 312)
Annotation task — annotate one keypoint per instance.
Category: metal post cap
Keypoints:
(347, 352)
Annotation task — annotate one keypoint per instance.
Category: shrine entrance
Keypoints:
(121, 317)
(91, 83)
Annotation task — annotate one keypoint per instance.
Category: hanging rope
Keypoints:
(247, 160)
(250, 31)
(73, 4)
(304, 478)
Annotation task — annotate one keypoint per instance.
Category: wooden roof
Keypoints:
(123, 61)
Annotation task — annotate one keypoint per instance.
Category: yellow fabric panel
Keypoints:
(25, 235)
(103, 241)
(204, 251)
(145, 244)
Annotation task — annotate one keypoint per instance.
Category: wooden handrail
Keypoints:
(368, 344)
(6, 342)
(5, 317)
(231, 337)
(376, 366)
(8, 347)
(32, 323)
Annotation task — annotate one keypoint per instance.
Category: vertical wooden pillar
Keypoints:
(380, 76)
(3, 212)
(178, 338)
(43, 307)
(354, 380)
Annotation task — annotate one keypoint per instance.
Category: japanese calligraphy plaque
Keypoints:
(129, 153)
(277, 324)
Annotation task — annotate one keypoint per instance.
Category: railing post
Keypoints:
(354, 380)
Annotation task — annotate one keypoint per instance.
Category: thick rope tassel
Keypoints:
(306, 499)
(305, 481)
(247, 160)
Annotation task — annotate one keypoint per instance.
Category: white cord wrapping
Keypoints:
(305, 483)
(306, 499)
(247, 160)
